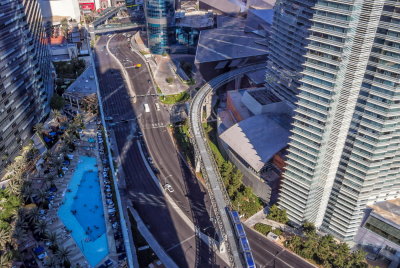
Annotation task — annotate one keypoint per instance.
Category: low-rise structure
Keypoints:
(60, 8)
(188, 25)
(82, 93)
(379, 233)
(231, 7)
(254, 129)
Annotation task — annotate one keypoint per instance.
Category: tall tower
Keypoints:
(344, 151)
(25, 74)
(288, 46)
(159, 16)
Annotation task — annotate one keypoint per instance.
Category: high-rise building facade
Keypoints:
(344, 150)
(159, 16)
(288, 47)
(25, 74)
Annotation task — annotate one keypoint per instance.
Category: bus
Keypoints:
(146, 108)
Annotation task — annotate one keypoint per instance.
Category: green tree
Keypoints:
(5, 238)
(308, 227)
(294, 243)
(40, 228)
(310, 246)
(277, 214)
(326, 244)
(57, 102)
(64, 27)
(63, 256)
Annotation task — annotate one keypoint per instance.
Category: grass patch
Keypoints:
(262, 228)
(176, 98)
(182, 137)
(265, 229)
(147, 256)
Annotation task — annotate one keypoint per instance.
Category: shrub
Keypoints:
(263, 228)
(169, 80)
(277, 214)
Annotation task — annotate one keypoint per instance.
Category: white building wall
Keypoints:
(62, 8)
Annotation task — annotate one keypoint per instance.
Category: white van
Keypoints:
(157, 106)
(146, 108)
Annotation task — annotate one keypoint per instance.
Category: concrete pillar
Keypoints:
(238, 79)
(221, 246)
(198, 164)
(207, 105)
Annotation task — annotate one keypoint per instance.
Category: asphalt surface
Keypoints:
(269, 254)
(129, 119)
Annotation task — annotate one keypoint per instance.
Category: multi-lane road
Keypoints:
(125, 104)
(124, 100)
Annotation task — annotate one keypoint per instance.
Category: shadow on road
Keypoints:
(166, 225)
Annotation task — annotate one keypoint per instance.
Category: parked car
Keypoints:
(169, 188)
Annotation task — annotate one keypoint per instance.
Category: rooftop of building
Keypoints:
(194, 19)
(236, 98)
(261, 4)
(266, 15)
(226, 6)
(228, 43)
(257, 77)
(389, 210)
(84, 85)
(263, 96)
(59, 40)
(258, 138)
(224, 21)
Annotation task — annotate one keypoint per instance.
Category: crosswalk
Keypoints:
(159, 201)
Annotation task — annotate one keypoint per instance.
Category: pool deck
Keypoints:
(83, 148)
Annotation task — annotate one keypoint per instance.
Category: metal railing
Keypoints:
(219, 197)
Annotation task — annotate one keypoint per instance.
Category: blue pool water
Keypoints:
(82, 211)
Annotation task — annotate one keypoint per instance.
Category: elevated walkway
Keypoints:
(205, 160)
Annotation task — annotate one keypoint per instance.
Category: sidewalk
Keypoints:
(162, 67)
(260, 217)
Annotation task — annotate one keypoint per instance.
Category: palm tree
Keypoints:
(5, 238)
(5, 260)
(38, 128)
(52, 262)
(40, 228)
(57, 115)
(14, 187)
(41, 197)
(63, 255)
(27, 193)
(20, 234)
(33, 215)
(52, 238)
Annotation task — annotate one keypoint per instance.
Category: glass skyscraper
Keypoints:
(25, 74)
(159, 16)
(344, 150)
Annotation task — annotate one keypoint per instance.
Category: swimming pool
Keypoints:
(82, 211)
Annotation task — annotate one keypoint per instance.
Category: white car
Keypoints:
(169, 188)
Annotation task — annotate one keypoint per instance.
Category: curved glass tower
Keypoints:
(25, 74)
(159, 16)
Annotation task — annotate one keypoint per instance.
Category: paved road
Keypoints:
(269, 254)
(173, 234)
